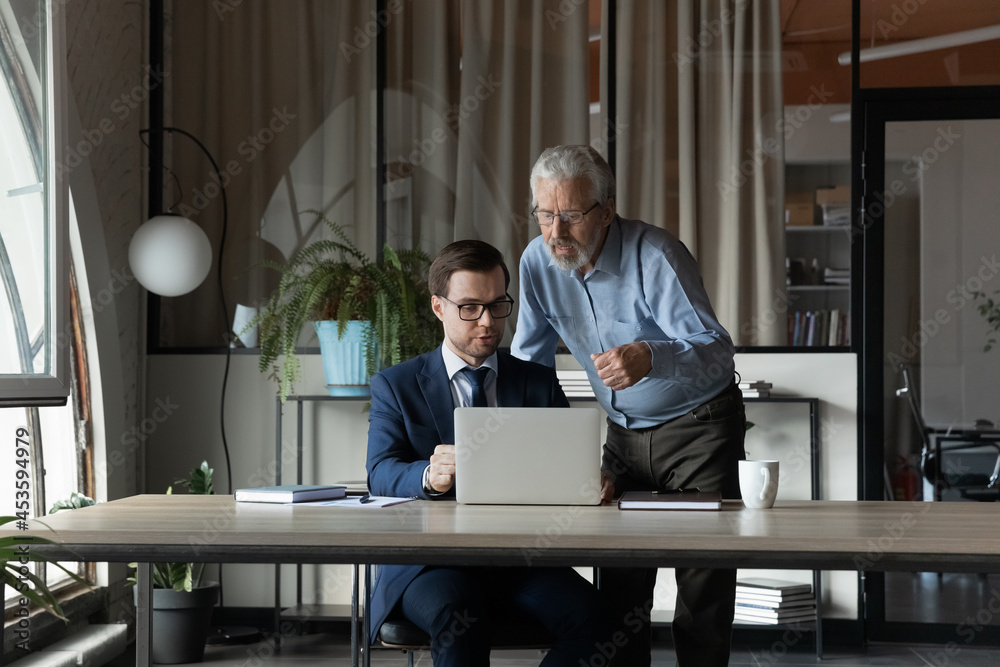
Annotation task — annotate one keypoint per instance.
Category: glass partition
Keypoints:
(283, 96)
(473, 92)
(941, 323)
(816, 129)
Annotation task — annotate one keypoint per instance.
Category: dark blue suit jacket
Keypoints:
(411, 414)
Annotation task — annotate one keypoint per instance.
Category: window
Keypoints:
(33, 210)
(37, 336)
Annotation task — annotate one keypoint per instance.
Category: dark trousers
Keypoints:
(699, 449)
(455, 607)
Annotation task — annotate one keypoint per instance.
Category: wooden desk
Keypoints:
(829, 535)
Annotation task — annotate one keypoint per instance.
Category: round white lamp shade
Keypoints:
(170, 255)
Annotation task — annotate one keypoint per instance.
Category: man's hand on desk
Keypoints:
(607, 489)
(441, 476)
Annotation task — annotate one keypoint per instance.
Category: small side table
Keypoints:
(315, 612)
(814, 461)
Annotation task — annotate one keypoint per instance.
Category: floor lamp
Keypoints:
(170, 256)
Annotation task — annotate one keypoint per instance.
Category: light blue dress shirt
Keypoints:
(645, 287)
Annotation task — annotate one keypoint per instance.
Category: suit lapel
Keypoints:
(510, 383)
(433, 382)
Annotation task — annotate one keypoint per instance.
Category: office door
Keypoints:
(931, 306)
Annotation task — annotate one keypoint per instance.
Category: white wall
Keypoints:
(187, 390)
(104, 170)
(335, 437)
(959, 244)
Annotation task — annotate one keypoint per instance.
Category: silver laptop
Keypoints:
(528, 456)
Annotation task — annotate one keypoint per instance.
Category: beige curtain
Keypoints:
(282, 96)
(700, 149)
(422, 118)
(646, 125)
(732, 160)
(525, 74)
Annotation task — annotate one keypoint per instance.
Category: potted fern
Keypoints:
(367, 316)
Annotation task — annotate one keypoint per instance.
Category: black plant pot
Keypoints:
(181, 621)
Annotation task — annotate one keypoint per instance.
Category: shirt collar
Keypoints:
(610, 259)
(454, 363)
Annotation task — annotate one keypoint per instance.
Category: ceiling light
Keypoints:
(950, 40)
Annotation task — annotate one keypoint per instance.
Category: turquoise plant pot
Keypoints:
(344, 358)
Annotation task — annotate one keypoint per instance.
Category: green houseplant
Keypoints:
(74, 502)
(990, 311)
(183, 576)
(332, 279)
(15, 553)
(182, 603)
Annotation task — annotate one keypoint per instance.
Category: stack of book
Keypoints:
(835, 203)
(819, 328)
(755, 389)
(574, 383)
(838, 216)
(836, 276)
(760, 600)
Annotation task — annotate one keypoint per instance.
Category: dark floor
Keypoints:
(910, 597)
(326, 650)
(929, 597)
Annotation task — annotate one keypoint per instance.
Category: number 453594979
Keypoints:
(22, 474)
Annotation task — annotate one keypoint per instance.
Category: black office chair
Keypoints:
(972, 485)
(399, 633)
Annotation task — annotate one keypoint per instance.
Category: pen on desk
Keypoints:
(365, 499)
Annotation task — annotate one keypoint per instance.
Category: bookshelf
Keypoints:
(818, 252)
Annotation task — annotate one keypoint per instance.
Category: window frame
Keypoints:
(53, 387)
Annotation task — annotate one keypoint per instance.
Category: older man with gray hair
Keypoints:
(627, 299)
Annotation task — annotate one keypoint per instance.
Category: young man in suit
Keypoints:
(411, 453)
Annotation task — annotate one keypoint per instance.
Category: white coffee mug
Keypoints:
(759, 483)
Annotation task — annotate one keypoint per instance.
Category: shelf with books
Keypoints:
(817, 288)
(818, 254)
(817, 232)
(819, 328)
(816, 229)
(770, 448)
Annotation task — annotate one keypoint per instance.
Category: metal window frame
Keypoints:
(52, 388)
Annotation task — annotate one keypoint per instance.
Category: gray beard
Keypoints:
(583, 254)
